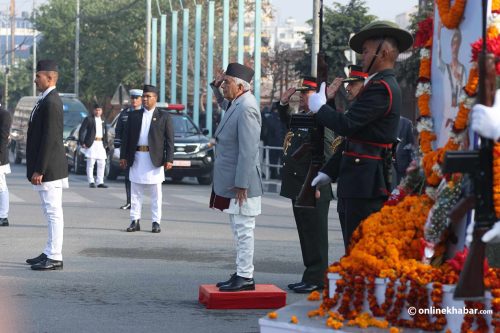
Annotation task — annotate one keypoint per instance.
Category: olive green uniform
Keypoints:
(312, 223)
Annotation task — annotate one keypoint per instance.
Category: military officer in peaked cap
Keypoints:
(370, 125)
(237, 187)
(148, 149)
(312, 224)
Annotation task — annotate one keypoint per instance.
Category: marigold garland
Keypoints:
(451, 16)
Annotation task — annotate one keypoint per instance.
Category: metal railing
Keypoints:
(265, 163)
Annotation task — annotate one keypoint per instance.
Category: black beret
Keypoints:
(149, 88)
(46, 65)
(240, 71)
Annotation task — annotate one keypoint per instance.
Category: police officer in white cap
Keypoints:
(135, 105)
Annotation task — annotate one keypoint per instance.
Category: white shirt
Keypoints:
(98, 127)
(369, 78)
(40, 97)
(146, 123)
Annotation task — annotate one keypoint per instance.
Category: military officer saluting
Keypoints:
(312, 224)
(370, 125)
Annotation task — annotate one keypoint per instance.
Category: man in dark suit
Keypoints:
(135, 105)
(148, 148)
(5, 122)
(46, 164)
(312, 224)
(93, 137)
(370, 125)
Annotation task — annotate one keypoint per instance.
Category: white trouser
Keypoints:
(4, 197)
(53, 212)
(101, 163)
(243, 227)
(136, 198)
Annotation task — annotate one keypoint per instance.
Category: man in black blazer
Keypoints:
(5, 122)
(93, 138)
(148, 148)
(46, 164)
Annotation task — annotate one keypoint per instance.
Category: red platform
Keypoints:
(265, 296)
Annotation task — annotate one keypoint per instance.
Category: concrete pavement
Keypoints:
(114, 281)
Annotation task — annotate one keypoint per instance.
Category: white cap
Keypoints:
(135, 92)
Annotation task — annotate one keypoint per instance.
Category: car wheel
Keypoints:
(17, 156)
(78, 167)
(177, 179)
(205, 180)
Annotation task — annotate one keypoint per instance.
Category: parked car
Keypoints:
(193, 155)
(74, 112)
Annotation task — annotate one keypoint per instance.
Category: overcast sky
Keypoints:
(301, 11)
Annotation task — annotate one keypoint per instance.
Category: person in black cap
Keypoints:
(5, 122)
(237, 187)
(312, 224)
(148, 149)
(135, 105)
(93, 137)
(369, 126)
(46, 164)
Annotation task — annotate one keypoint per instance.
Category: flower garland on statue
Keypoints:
(387, 244)
(451, 16)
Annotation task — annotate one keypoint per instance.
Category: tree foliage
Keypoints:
(338, 23)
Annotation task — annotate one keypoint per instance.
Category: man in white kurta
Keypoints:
(95, 152)
(5, 122)
(237, 186)
(46, 163)
(144, 175)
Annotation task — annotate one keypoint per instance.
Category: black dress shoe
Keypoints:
(92, 185)
(4, 222)
(36, 260)
(220, 284)
(307, 288)
(292, 286)
(134, 226)
(239, 284)
(48, 265)
(126, 206)
(102, 186)
(156, 228)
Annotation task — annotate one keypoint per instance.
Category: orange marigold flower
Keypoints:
(272, 315)
(451, 16)
(314, 296)
(294, 320)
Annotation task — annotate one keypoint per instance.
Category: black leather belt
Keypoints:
(142, 148)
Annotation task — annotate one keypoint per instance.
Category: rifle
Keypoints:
(307, 195)
(479, 164)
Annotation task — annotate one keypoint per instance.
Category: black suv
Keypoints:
(193, 155)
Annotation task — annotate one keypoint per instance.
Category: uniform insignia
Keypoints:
(287, 142)
(154, 119)
(334, 146)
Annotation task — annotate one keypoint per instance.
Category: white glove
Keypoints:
(321, 179)
(485, 120)
(317, 100)
(493, 235)
(116, 153)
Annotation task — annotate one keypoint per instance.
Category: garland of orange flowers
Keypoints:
(451, 16)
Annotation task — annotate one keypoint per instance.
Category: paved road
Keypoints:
(114, 281)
